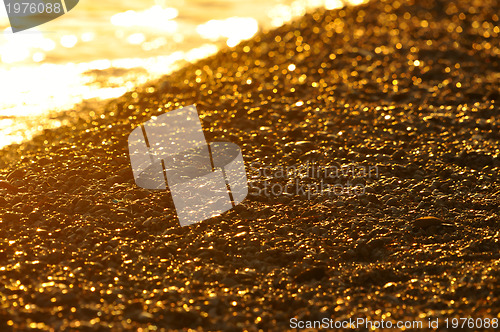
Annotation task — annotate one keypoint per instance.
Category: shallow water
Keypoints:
(101, 49)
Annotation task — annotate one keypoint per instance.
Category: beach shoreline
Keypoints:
(409, 87)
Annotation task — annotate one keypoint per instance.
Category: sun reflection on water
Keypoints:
(156, 17)
(71, 83)
(234, 29)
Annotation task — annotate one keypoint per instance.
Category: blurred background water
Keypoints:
(104, 48)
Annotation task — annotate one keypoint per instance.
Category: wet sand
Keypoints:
(412, 89)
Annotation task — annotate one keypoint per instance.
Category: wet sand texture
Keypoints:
(410, 86)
